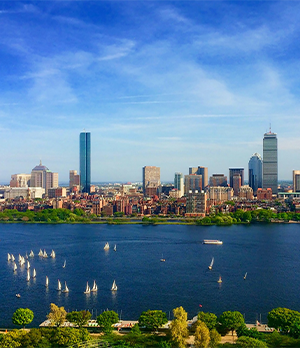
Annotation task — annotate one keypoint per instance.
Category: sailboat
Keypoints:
(106, 246)
(162, 258)
(45, 254)
(19, 258)
(12, 257)
(22, 261)
(8, 257)
(211, 264)
(34, 273)
(47, 282)
(15, 267)
(31, 254)
(28, 275)
(41, 253)
(28, 264)
(115, 247)
(58, 285)
(64, 265)
(95, 287)
(26, 256)
(245, 276)
(52, 254)
(66, 289)
(114, 286)
(220, 279)
(87, 289)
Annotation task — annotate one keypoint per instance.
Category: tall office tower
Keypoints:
(200, 171)
(255, 172)
(296, 180)
(218, 180)
(85, 161)
(74, 179)
(20, 180)
(41, 176)
(192, 183)
(270, 163)
(232, 172)
(151, 180)
(178, 184)
(236, 183)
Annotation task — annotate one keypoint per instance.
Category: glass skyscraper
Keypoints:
(255, 172)
(85, 161)
(270, 163)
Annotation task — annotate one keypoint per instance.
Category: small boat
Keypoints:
(22, 261)
(34, 273)
(162, 258)
(220, 279)
(52, 254)
(245, 276)
(66, 289)
(87, 289)
(31, 254)
(106, 246)
(26, 256)
(211, 264)
(95, 287)
(212, 241)
(45, 254)
(28, 265)
(47, 282)
(115, 247)
(65, 263)
(114, 286)
(19, 258)
(8, 257)
(41, 253)
(12, 257)
(58, 285)
(15, 267)
(28, 275)
(18, 295)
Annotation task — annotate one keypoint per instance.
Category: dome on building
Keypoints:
(40, 167)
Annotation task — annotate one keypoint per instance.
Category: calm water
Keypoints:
(269, 253)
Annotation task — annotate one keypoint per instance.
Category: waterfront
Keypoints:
(268, 253)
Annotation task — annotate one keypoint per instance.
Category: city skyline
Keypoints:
(160, 83)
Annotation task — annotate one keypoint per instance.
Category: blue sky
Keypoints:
(167, 83)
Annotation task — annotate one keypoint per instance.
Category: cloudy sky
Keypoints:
(167, 83)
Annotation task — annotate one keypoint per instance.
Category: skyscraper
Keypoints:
(41, 176)
(270, 164)
(85, 161)
(200, 171)
(255, 172)
(296, 180)
(178, 183)
(232, 172)
(151, 180)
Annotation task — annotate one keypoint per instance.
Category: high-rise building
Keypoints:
(151, 179)
(41, 176)
(296, 180)
(232, 172)
(192, 182)
(178, 184)
(255, 172)
(195, 203)
(85, 161)
(218, 180)
(200, 171)
(20, 180)
(74, 179)
(270, 163)
(236, 183)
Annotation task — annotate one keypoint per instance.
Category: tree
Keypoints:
(249, 342)
(57, 315)
(202, 337)
(231, 321)
(178, 327)
(210, 319)
(106, 320)
(153, 319)
(79, 318)
(283, 318)
(22, 316)
(215, 338)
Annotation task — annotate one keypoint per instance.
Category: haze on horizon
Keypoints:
(173, 84)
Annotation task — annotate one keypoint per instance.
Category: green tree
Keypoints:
(57, 315)
(249, 342)
(22, 316)
(282, 318)
(106, 320)
(202, 336)
(231, 321)
(295, 329)
(178, 327)
(210, 319)
(12, 339)
(80, 318)
(215, 338)
(153, 319)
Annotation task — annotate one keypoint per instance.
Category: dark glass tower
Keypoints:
(85, 161)
(255, 172)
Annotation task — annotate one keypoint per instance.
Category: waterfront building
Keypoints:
(270, 162)
(178, 184)
(41, 176)
(192, 182)
(232, 172)
(255, 172)
(296, 180)
(195, 203)
(151, 180)
(200, 171)
(85, 161)
(218, 180)
(20, 180)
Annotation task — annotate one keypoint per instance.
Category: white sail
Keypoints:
(65, 263)
(245, 276)
(19, 258)
(28, 264)
(22, 261)
(52, 254)
(8, 257)
(45, 254)
(95, 287)
(114, 286)
(106, 246)
(28, 275)
(66, 289)
(87, 289)
(26, 256)
(41, 253)
(211, 264)
(34, 273)
(31, 254)
(12, 257)
(15, 267)
(58, 285)
(47, 282)
(115, 247)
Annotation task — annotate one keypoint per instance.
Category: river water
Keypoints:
(268, 253)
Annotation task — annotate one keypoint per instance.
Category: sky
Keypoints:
(173, 84)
